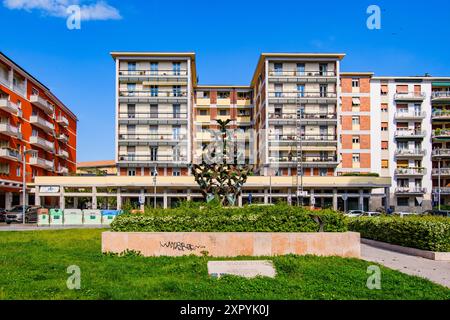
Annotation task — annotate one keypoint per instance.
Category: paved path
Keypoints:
(33, 227)
(436, 271)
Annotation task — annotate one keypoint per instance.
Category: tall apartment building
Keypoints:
(31, 117)
(154, 112)
(299, 117)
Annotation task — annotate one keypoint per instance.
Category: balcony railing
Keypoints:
(153, 73)
(410, 115)
(408, 190)
(440, 114)
(62, 170)
(63, 121)
(40, 102)
(151, 137)
(63, 154)
(301, 95)
(410, 171)
(10, 154)
(410, 153)
(440, 95)
(410, 96)
(9, 106)
(62, 137)
(42, 123)
(306, 116)
(443, 190)
(410, 134)
(152, 115)
(284, 137)
(42, 163)
(305, 159)
(43, 143)
(9, 130)
(306, 73)
(441, 153)
(442, 172)
(441, 133)
(153, 94)
(150, 158)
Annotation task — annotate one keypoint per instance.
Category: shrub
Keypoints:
(278, 218)
(426, 233)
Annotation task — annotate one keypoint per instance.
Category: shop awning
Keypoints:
(441, 84)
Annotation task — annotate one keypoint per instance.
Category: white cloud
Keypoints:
(90, 10)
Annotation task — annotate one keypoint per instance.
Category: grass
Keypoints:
(33, 266)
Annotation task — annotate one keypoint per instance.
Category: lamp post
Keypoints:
(24, 180)
(155, 174)
(439, 184)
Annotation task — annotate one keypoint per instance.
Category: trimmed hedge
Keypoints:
(426, 233)
(278, 218)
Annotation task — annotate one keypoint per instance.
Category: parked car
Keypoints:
(440, 213)
(15, 215)
(371, 214)
(354, 213)
(404, 214)
(2, 215)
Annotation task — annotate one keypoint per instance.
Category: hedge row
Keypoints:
(279, 218)
(426, 233)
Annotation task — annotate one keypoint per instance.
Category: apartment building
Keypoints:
(154, 103)
(34, 119)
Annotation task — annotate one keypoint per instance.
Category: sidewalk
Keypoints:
(436, 271)
(33, 227)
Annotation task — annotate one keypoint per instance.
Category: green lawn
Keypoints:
(33, 266)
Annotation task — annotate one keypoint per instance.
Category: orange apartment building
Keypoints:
(34, 119)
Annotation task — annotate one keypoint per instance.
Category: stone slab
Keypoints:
(233, 244)
(246, 269)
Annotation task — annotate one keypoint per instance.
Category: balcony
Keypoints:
(304, 97)
(409, 96)
(443, 190)
(147, 158)
(62, 170)
(410, 134)
(42, 163)
(10, 154)
(145, 117)
(406, 115)
(42, 143)
(310, 76)
(318, 162)
(157, 96)
(441, 134)
(153, 73)
(441, 115)
(410, 191)
(43, 104)
(407, 153)
(441, 153)
(8, 106)
(62, 154)
(441, 172)
(409, 172)
(63, 121)
(42, 123)
(150, 139)
(9, 130)
(440, 96)
(323, 118)
(62, 137)
(293, 139)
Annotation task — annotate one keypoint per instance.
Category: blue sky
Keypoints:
(227, 36)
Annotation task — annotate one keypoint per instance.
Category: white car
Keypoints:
(354, 213)
(371, 214)
(404, 214)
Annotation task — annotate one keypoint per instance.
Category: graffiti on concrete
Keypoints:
(181, 246)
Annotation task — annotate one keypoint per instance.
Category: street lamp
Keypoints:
(24, 180)
(155, 174)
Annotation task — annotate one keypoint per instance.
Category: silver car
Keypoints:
(15, 215)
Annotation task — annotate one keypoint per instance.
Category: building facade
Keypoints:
(299, 117)
(32, 118)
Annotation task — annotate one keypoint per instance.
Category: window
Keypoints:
(131, 66)
(223, 112)
(154, 91)
(176, 111)
(203, 112)
(300, 69)
(176, 172)
(323, 90)
(301, 90)
(243, 95)
(131, 87)
(356, 158)
(154, 68)
(384, 126)
(384, 164)
(131, 153)
(153, 153)
(323, 69)
(355, 120)
(355, 139)
(356, 102)
(176, 91)
(278, 90)
(4, 168)
(384, 145)
(384, 89)
(176, 68)
(176, 153)
(323, 172)
(153, 172)
(153, 111)
(18, 171)
(131, 172)
(223, 95)
(403, 202)
(278, 68)
(384, 107)
(355, 83)
(176, 132)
